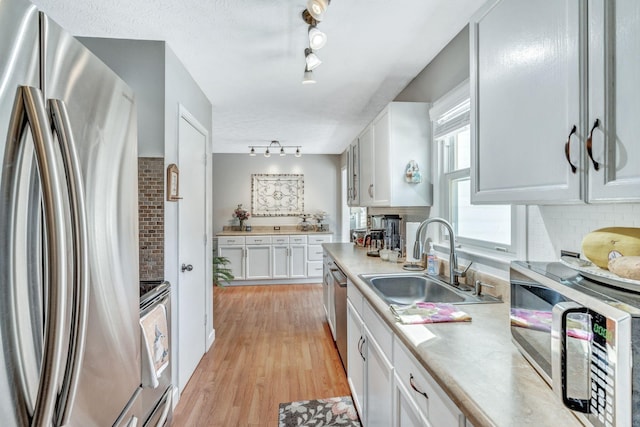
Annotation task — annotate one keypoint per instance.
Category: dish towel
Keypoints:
(428, 312)
(155, 340)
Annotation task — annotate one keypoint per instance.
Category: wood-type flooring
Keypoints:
(272, 345)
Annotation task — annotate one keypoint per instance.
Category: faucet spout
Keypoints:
(418, 247)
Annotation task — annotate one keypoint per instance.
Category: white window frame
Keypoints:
(440, 113)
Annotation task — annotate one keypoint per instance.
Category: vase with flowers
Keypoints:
(242, 215)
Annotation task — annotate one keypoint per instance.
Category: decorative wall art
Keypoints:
(412, 173)
(277, 194)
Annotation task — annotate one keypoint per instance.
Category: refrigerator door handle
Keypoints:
(29, 110)
(80, 291)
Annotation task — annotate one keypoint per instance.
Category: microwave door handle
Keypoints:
(79, 307)
(29, 110)
(559, 354)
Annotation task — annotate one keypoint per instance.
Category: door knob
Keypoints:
(186, 267)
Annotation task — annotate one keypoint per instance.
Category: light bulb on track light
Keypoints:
(317, 39)
(311, 59)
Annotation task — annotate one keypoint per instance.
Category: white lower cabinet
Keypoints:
(370, 372)
(266, 257)
(355, 359)
(289, 257)
(258, 262)
(379, 384)
(424, 394)
(388, 385)
(232, 248)
(298, 260)
(314, 253)
(407, 413)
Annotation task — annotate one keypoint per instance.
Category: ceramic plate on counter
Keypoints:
(591, 271)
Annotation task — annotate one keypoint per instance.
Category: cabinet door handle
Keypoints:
(371, 190)
(567, 149)
(361, 347)
(354, 191)
(413, 386)
(596, 124)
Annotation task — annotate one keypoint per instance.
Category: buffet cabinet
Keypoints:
(267, 258)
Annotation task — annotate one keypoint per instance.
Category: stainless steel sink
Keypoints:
(409, 288)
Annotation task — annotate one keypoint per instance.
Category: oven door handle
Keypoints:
(559, 354)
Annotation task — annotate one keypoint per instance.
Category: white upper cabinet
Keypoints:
(536, 94)
(525, 101)
(367, 168)
(353, 174)
(399, 136)
(614, 100)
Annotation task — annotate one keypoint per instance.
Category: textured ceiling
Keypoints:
(248, 58)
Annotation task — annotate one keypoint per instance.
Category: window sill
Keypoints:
(493, 259)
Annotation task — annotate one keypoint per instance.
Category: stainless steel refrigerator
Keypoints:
(68, 230)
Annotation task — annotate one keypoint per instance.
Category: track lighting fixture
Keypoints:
(274, 145)
(312, 15)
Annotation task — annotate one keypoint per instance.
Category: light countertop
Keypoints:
(475, 362)
(263, 230)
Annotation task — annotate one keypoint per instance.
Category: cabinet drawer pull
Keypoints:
(596, 124)
(567, 150)
(413, 386)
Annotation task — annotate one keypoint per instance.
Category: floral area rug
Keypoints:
(334, 411)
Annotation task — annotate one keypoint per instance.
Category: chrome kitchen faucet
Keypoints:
(418, 249)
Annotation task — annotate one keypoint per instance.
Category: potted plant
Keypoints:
(221, 273)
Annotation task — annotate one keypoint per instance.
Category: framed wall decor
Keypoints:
(173, 177)
(277, 194)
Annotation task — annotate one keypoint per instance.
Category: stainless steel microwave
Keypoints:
(582, 337)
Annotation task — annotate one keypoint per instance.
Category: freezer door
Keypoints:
(21, 304)
(102, 117)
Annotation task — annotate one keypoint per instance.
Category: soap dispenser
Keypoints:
(432, 261)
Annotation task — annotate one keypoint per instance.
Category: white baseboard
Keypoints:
(210, 339)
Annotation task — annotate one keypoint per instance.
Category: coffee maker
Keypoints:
(391, 226)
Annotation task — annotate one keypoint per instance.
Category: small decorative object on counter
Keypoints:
(242, 215)
(431, 260)
(320, 217)
(305, 225)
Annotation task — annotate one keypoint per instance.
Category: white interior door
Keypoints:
(192, 142)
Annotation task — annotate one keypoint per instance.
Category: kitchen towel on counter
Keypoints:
(155, 354)
(428, 312)
(410, 237)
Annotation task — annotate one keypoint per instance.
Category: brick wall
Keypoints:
(151, 214)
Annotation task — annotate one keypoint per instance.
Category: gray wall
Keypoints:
(232, 185)
(447, 70)
(140, 63)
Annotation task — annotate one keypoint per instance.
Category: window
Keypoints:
(489, 227)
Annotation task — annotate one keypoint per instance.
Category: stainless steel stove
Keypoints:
(157, 401)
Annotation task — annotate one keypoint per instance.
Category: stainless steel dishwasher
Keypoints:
(340, 305)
